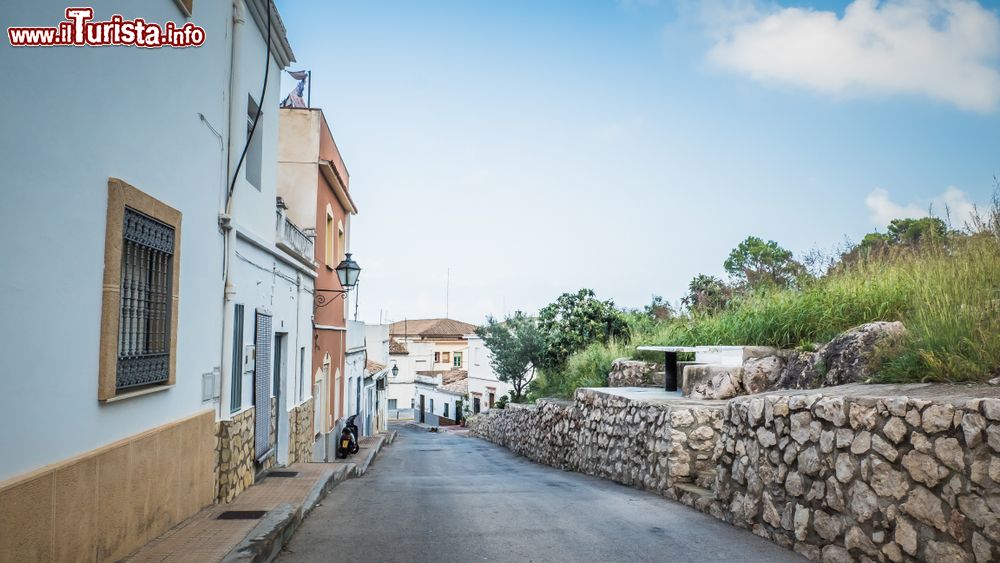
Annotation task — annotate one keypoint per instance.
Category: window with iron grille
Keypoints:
(144, 322)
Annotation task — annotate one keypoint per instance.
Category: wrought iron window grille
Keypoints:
(145, 302)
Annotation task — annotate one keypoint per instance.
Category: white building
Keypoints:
(422, 346)
(484, 386)
(377, 348)
(441, 398)
(117, 163)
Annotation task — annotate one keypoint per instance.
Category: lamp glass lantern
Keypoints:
(348, 272)
(395, 370)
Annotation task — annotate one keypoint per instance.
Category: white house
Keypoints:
(117, 166)
(484, 386)
(441, 398)
(422, 345)
(378, 372)
(268, 271)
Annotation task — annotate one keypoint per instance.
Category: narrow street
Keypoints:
(439, 497)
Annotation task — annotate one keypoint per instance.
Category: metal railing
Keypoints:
(292, 237)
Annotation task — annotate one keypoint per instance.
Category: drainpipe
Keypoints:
(225, 218)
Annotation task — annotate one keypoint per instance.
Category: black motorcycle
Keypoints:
(348, 439)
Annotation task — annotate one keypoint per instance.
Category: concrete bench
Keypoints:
(723, 356)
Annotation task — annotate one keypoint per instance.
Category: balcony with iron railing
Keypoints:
(293, 240)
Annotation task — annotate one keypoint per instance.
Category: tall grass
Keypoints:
(947, 296)
(953, 318)
(587, 368)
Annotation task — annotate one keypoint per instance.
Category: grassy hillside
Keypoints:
(947, 294)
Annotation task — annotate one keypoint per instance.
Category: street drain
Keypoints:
(430, 450)
(241, 515)
(282, 474)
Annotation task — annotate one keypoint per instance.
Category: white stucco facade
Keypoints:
(162, 127)
(437, 402)
(419, 357)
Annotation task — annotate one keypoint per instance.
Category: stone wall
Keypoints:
(235, 451)
(631, 373)
(857, 473)
(300, 432)
(650, 445)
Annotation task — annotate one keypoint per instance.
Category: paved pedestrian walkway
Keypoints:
(285, 501)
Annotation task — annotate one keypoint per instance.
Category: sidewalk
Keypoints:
(279, 504)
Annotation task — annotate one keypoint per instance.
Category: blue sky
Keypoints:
(534, 148)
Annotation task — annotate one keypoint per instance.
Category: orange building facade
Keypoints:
(315, 183)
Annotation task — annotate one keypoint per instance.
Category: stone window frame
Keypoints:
(121, 195)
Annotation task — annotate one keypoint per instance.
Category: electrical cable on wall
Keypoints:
(260, 106)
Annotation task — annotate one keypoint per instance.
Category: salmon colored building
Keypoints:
(314, 184)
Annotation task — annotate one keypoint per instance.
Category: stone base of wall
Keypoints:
(235, 450)
(878, 472)
(631, 373)
(105, 504)
(655, 446)
(300, 433)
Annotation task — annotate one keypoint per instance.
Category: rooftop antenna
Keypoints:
(447, 295)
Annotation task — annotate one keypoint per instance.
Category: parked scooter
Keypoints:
(348, 439)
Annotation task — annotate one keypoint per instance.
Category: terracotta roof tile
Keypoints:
(396, 347)
(431, 328)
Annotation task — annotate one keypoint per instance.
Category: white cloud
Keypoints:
(953, 204)
(944, 49)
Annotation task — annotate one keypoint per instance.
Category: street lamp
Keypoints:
(395, 370)
(347, 272)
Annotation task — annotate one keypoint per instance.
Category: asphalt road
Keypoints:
(444, 498)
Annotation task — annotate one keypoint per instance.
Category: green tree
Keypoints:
(516, 348)
(707, 294)
(901, 233)
(915, 231)
(576, 320)
(755, 264)
(659, 309)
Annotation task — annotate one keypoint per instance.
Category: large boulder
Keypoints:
(630, 373)
(848, 357)
(798, 372)
(712, 381)
(845, 359)
(761, 374)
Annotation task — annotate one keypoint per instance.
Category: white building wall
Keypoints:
(440, 398)
(482, 379)
(145, 127)
(270, 281)
(419, 358)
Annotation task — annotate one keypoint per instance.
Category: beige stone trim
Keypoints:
(108, 502)
(120, 196)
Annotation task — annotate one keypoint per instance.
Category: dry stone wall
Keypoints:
(631, 373)
(846, 475)
(235, 455)
(665, 447)
(300, 432)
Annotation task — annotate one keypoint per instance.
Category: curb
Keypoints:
(276, 528)
(266, 540)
